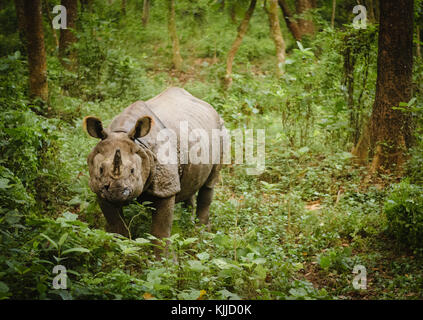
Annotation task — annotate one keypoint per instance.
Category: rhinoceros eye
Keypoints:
(101, 170)
(132, 171)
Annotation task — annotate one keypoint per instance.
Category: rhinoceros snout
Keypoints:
(126, 192)
(114, 194)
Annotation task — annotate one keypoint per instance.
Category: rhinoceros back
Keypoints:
(168, 110)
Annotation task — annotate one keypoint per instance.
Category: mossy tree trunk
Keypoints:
(47, 11)
(145, 12)
(277, 35)
(390, 131)
(20, 16)
(305, 24)
(123, 7)
(242, 30)
(290, 20)
(176, 54)
(34, 32)
(67, 36)
(332, 20)
(86, 5)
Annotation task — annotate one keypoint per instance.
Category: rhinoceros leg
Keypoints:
(204, 199)
(114, 217)
(162, 219)
(189, 203)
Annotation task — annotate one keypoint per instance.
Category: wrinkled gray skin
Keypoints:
(122, 169)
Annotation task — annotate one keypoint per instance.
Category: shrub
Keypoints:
(404, 211)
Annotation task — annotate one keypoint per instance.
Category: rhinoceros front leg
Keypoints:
(204, 199)
(162, 219)
(114, 217)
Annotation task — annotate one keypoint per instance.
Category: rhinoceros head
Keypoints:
(118, 167)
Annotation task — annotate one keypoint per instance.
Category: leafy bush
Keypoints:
(404, 211)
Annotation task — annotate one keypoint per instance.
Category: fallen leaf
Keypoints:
(147, 296)
(202, 293)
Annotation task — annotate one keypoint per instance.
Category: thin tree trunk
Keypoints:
(123, 7)
(371, 10)
(242, 30)
(391, 129)
(177, 59)
(38, 86)
(277, 35)
(377, 10)
(20, 16)
(418, 49)
(361, 149)
(232, 12)
(67, 36)
(332, 21)
(145, 12)
(86, 5)
(50, 21)
(306, 25)
(290, 21)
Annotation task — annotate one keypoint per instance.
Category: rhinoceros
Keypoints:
(125, 163)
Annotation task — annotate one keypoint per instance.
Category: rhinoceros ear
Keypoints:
(142, 128)
(94, 127)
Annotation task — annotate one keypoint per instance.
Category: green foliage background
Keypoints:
(294, 232)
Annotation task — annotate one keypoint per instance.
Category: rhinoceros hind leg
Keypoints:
(204, 199)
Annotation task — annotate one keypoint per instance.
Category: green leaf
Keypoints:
(197, 266)
(50, 240)
(4, 183)
(63, 239)
(84, 250)
(303, 150)
(142, 241)
(325, 262)
(3, 287)
(227, 294)
(203, 256)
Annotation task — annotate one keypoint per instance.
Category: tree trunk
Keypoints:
(145, 12)
(391, 129)
(67, 36)
(20, 16)
(305, 24)
(86, 5)
(50, 21)
(38, 86)
(232, 12)
(418, 49)
(242, 30)
(371, 10)
(277, 35)
(290, 21)
(123, 7)
(177, 59)
(361, 149)
(332, 20)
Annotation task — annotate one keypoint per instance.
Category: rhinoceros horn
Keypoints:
(117, 162)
